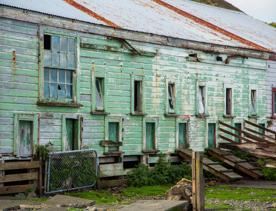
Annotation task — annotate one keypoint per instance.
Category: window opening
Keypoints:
(201, 99)
(47, 42)
(99, 94)
(228, 101)
(171, 97)
(137, 96)
(253, 101)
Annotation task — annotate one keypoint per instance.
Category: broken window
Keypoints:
(59, 67)
(201, 100)
(138, 103)
(253, 98)
(171, 97)
(99, 94)
(25, 138)
(228, 101)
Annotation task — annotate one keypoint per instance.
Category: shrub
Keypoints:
(269, 173)
(162, 173)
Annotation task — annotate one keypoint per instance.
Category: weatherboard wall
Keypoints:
(109, 58)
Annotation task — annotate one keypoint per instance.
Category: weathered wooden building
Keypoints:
(130, 79)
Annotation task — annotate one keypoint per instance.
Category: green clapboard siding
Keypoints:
(150, 136)
(211, 135)
(26, 138)
(182, 135)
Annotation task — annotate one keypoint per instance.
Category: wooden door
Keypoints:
(25, 138)
(211, 135)
(182, 135)
(72, 134)
(113, 133)
(238, 126)
(150, 136)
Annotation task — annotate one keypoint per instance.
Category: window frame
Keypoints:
(132, 104)
(42, 101)
(251, 112)
(32, 117)
(204, 84)
(168, 109)
(98, 74)
(154, 120)
(79, 119)
(226, 86)
(273, 101)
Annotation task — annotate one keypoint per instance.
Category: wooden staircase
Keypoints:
(213, 167)
(249, 139)
(235, 162)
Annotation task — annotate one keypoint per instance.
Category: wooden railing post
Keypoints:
(197, 182)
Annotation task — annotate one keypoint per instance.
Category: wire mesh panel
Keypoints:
(71, 170)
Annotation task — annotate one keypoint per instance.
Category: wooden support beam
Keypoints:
(16, 189)
(19, 177)
(197, 182)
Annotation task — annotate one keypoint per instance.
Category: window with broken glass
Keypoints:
(59, 67)
(201, 100)
(99, 94)
(171, 97)
(253, 102)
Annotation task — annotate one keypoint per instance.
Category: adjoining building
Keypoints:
(130, 79)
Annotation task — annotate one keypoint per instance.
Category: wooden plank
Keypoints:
(19, 165)
(16, 189)
(256, 132)
(19, 177)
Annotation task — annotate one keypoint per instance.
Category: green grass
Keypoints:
(157, 190)
(100, 196)
(225, 192)
(127, 195)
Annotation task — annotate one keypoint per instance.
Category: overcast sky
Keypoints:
(264, 10)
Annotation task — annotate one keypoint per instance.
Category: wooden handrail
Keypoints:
(256, 132)
(258, 126)
(235, 135)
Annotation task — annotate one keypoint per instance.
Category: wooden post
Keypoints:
(197, 182)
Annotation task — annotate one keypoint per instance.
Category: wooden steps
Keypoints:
(235, 162)
(213, 167)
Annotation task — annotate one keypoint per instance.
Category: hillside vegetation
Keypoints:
(273, 24)
(218, 3)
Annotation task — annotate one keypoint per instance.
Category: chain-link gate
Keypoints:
(71, 170)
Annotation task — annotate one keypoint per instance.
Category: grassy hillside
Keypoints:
(218, 3)
(273, 24)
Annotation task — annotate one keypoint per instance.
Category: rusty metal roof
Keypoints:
(216, 25)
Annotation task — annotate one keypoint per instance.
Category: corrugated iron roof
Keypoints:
(150, 17)
(235, 22)
(51, 7)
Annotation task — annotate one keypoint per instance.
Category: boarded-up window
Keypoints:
(150, 136)
(253, 98)
(201, 100)
(138, 96)
(228, 101)
(59, 65)
(182, 135)
(113, 135)
(25, 138)
(99, 94)
(171, 97)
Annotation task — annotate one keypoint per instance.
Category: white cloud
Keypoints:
(264, 10)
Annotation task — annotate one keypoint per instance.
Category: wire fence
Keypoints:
(71, 170)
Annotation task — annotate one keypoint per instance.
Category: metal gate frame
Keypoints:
(48, 171)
